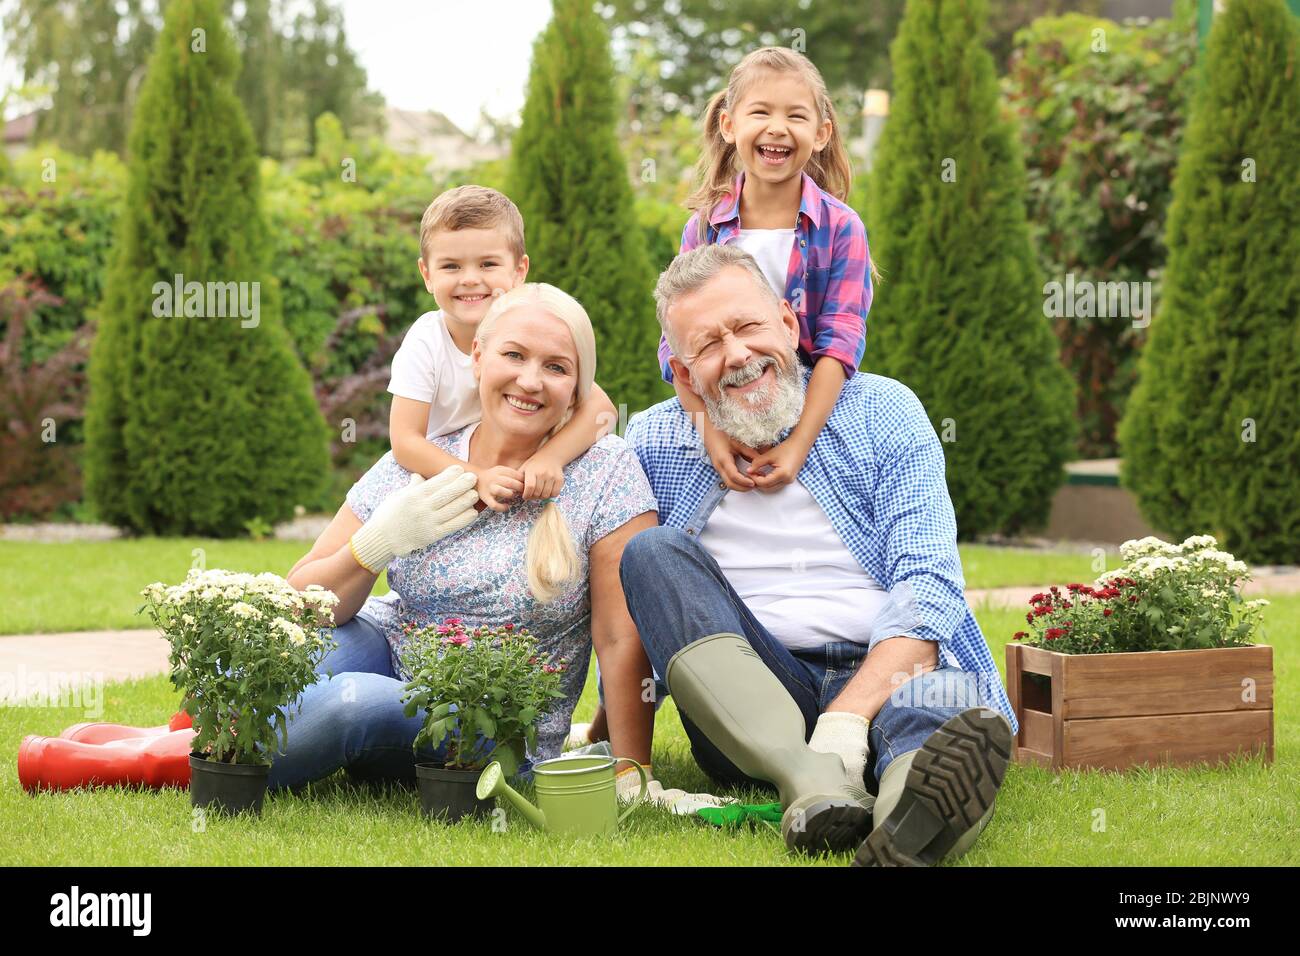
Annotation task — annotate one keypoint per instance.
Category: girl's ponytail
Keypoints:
(716, 169)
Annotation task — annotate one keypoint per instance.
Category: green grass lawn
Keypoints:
(95, 585)
(1244, 814)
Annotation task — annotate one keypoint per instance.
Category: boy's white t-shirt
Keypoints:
(772, 248)
(429, 367)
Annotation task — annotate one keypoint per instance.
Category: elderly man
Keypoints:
(815, 636)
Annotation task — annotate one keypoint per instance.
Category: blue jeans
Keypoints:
(353, 720)
(677, 594)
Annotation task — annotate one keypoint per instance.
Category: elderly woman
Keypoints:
(551, 566)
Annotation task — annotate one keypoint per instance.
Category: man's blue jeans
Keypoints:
(677, 594)
(353, 720)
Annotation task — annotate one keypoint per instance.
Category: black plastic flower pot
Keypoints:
(227, 787)
(449, 794)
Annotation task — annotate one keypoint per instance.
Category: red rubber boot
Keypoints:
(102, 733)
(54, 763)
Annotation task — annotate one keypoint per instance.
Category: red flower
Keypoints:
(508, 627)
(1029, 618)
(1074, 587)
(452, 621)
(1038, 598)
(457, 639)
(1020, 635)
(1040, 611)
(1052, 633)
(1108, 612)
(1133, 598)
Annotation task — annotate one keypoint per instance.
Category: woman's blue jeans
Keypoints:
(677, 594)
(353, 720)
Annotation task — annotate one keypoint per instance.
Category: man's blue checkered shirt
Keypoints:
(877, 470)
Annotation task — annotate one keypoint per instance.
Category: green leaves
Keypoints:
(479, 688)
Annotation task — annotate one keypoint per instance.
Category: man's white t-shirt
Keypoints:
(429, 367)
(784, 558)
(771, 247)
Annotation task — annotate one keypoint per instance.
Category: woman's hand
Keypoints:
(416, 516)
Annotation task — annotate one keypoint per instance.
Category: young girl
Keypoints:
(774, 130)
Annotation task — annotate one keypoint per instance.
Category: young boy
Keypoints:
(472, 250)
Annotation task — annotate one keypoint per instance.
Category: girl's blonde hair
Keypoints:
(552, 560)
(717, 168)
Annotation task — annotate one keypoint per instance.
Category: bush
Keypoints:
(1100, 107)
(195, 425)
(1209, 436)
(40, 402)
(958, 318)
(570, 182)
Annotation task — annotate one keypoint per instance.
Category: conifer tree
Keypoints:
(200, 416)
(958, 316)
(1209, 437)
(569, 180)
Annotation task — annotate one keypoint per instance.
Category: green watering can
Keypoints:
(576, 794)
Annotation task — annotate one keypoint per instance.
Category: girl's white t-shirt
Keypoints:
(772, 248)
(429, 367)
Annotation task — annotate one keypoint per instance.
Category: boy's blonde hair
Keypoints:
(473, 207)
(717, 168)
(552, 560)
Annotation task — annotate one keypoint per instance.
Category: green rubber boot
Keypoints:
(934, 802)
(723, 687)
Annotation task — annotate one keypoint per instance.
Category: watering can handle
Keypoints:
(645, 786)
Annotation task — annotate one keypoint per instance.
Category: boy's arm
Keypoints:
(593, 418)
(407, 422)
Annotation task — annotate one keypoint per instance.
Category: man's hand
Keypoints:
(543, 476)
(498, 485)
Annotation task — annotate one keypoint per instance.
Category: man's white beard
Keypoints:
(739, 416)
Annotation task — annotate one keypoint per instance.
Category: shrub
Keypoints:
(1209, 437)
(195, 424)
(958, 318)
(40, 404)
(570, 182)
(1100, 108)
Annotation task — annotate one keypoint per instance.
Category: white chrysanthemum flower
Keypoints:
(1258, 602)
(241, 609)
(1198, 542)
(1144, 546)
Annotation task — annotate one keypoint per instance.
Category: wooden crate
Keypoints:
(1114, 711)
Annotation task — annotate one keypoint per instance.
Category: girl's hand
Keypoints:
(779, 465)
(722, 453)
(543, 477)
(498, 485)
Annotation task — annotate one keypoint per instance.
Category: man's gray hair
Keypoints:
(691, 270)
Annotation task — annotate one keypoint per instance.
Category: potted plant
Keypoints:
(1152, 663)
(243, 649)
(481, 691)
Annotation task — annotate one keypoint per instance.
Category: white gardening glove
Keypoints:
(845, 735)
(628, 785)
(415, 517)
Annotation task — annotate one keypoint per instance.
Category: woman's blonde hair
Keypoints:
(552, 560)
(718, 165)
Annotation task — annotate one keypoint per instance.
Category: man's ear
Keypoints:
(791, 323)
(683, 374)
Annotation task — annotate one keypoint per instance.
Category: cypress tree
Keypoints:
(569, 180)
(959, 314)
(196, 423)
(1209, 436)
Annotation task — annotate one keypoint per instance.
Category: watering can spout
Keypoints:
(492, 783)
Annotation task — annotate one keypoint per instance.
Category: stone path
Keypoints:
(43, 663)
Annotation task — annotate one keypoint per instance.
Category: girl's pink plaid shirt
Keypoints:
(829, 279)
